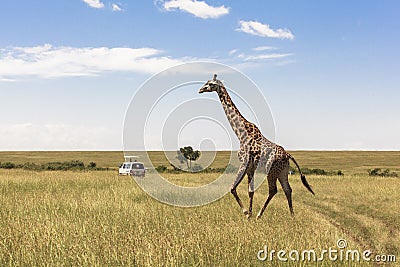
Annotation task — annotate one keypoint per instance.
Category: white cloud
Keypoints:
(233, 51)
(263, 48)
(6, 80)
(116, 7)
(51, 62)
(47, 61)
(263, 56)
(29, 136)
(94, 3)
(199, 9)
(263, 30)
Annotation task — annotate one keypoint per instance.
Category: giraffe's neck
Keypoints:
(233, 115)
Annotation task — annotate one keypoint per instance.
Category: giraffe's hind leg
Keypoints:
(272, 192)
(284, 181)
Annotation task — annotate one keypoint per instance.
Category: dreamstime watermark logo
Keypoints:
(167, 112)
(338, 253)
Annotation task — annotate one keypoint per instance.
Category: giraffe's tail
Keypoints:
(303, 177)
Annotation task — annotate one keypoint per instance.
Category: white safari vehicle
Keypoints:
(130, 167)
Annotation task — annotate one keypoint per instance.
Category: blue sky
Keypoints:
(329, 69)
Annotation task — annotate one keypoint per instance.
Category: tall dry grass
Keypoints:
(102, 219)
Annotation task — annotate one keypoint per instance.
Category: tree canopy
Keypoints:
(189, 155)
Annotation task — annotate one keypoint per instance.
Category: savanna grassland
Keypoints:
(97, 218)
(350, 162)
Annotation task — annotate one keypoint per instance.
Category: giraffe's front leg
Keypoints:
(251, 192)
(250, 212)
(239, 177)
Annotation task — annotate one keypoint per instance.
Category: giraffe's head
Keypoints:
(213, 85)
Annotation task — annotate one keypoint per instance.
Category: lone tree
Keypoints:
(189, 154)
(182, 158)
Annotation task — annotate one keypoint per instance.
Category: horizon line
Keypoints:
(223, 150)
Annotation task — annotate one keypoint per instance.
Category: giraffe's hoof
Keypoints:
(258, 216)
(248, 215)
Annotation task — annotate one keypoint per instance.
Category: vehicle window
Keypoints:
(137, 166)
(127, 166)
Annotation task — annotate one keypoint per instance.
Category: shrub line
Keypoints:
(75, 165)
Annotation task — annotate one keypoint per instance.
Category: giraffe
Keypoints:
(255, 150)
